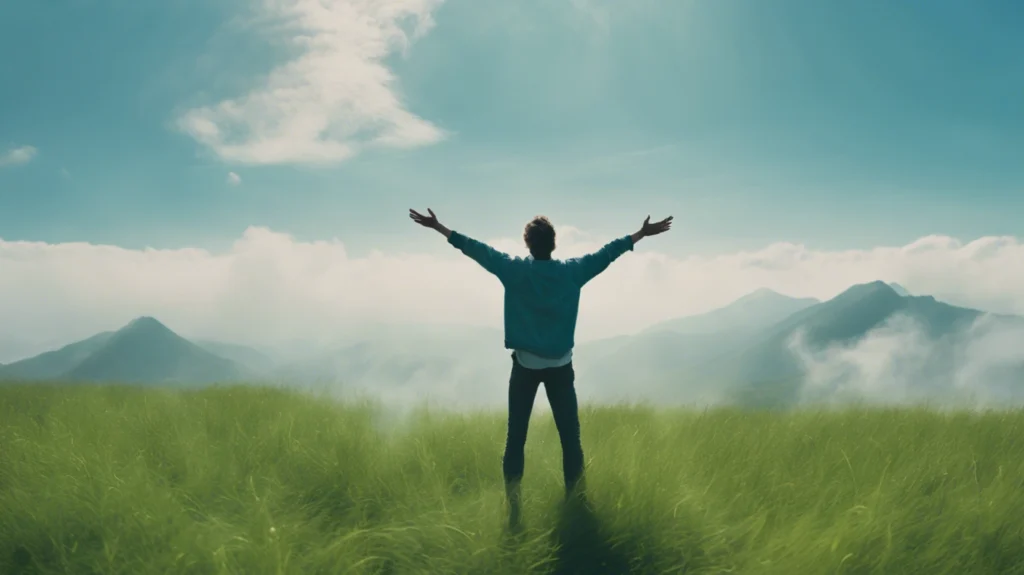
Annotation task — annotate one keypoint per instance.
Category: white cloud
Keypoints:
(270, 286)
(234, 179)
(885, 365)
(334, 98)
(898, 363)
(18, 156)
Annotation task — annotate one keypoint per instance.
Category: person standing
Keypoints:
(541, 304)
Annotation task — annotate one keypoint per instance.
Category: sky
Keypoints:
(245, 167)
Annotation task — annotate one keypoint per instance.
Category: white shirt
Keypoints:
(532, 361)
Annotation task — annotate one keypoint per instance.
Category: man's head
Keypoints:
(540, 238)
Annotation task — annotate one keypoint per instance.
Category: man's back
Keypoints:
(541, 296)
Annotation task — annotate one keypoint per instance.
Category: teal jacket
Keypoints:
(542, 297)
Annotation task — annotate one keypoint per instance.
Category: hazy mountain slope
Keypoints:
(657, 365)
(13, 349)
(768, 372)
(678, 358)
(716, 357)
(146, 351)
(733, 362)
(253, 360)
(899, 289)
(56, 363)
(465, 364)
(751, 312)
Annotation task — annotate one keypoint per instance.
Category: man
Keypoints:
(541, 303)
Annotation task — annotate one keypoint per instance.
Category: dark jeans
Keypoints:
(522, 389)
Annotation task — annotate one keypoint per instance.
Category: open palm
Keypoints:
(425, 221)
(656, 228)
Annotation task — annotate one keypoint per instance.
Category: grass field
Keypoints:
(247, 480)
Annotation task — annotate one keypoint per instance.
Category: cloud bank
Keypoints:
(897, 363)
(336, 97)
(270, 287)
(18, 156)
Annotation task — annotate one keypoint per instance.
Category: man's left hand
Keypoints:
(425, 221)
(429, 222)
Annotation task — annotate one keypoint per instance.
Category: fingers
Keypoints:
(662, 222)
(418, 217)
(414, 214)
(662, 226)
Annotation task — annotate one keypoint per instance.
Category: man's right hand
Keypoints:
(656, 228)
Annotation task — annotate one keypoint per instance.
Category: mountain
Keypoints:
(769, 372)
(689, 349)
(54, 364)
(751, 312)
(748, 355)
(146, 351)
(763, 350)
(14, 349)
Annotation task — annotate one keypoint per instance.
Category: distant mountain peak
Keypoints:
(764, 294)
(758, 308)
(761, 293)
(145, 324)
(144, 320)
(902, 291)
(147, 351)
(877, 287)
(147, 330)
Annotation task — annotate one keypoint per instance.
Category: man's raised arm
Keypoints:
(588, 266)
(490, 259)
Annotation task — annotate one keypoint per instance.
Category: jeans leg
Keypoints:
(522, 389)
(560, 387)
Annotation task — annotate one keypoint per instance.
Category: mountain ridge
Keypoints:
(52, 364)
(742, 352)
(147, 351)
(769, 372)
(142, 351)
(749, 312)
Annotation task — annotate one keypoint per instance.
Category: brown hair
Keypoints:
(540, 237)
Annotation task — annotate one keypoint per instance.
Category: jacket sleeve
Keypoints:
(586, 268)
(498, 263)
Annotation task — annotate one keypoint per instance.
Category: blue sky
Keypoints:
(835, 124)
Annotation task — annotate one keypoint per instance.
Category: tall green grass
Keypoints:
(250, 480)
